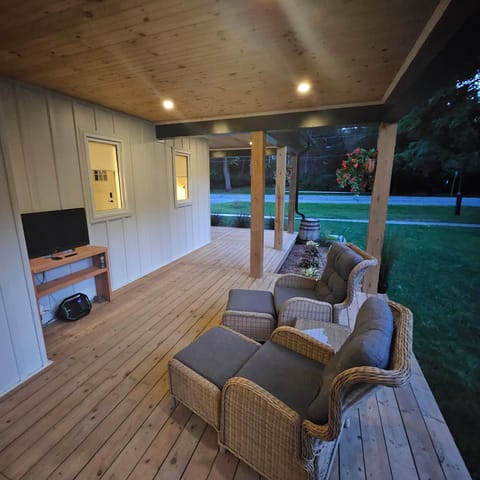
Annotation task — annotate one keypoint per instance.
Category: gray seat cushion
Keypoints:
(368, 345)
(287, 375)
(282, 294)
(242, 300)
(217, 355)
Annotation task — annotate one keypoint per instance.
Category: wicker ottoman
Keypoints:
(198, 373)
(251, 312)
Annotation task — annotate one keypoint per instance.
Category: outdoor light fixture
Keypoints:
(168, 105)
(303, 87)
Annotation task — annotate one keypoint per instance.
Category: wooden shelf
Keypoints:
(43, 264)
(75, 277)
(100, 273)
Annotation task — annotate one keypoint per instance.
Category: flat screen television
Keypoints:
(54, 231)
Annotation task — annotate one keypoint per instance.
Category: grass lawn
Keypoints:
(360, 212)
(437, 275)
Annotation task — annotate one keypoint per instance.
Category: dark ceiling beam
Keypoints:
(285, 121)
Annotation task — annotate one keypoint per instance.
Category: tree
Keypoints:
(442, 135)
(226, 174)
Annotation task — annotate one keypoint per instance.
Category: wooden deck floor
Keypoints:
(101, 410)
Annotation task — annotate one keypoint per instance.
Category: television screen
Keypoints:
(54, 231)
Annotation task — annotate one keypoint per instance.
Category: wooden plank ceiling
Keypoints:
(214, 59)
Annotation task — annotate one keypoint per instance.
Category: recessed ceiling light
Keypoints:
(168, 105)
(303, 87)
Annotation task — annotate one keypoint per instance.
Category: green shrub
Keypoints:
(241, 221)
(215, 219)
(269, 223)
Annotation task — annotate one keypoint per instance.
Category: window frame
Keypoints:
(187, 202)
(102, 215)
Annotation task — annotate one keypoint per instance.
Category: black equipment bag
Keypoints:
(74, 307)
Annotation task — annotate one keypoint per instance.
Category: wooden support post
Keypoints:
(257, 204)
(280, 197)
(379, 204)
(292, 193)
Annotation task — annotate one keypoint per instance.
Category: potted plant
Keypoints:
(357, 171)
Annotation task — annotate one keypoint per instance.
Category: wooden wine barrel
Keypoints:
(309, 229)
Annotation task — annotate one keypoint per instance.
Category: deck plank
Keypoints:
(450, 459)
(421, 445)
(201, 462)
(159, 449)
(179, 456)
(102, 409)
(402, 463)
(350, 450)
(374, 450)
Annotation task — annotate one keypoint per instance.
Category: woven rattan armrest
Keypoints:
(302, 343)
(245, 409)
(306, 308)
(195, 392)
(256, 325)
(295, 281)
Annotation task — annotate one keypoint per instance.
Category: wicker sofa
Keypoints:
(327, 298)
(257, 313)
(281, 406)
(282, 435)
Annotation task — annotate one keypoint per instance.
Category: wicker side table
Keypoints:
(331, 333)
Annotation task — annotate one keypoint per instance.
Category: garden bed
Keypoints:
(297, 253)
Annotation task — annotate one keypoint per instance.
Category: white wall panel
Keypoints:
(104, 121)
(45, 149)
(65, 152)
(21, 345)
(13, 148)
(9, 374)
(117, 253)
(38, 149)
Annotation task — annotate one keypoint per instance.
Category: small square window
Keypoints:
(182, 179)
(106, 187)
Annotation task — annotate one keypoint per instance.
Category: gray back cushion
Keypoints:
(368, 345)
(282, 294)
(341, 260)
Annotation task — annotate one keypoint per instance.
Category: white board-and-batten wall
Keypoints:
(41, 134)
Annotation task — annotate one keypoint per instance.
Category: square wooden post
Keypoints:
(280, 197)
(292, 193)
(387, 136)
(257, 204)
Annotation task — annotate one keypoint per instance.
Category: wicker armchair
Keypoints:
(328, 298)
(280, 443)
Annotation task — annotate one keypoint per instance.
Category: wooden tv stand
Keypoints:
(101, 275)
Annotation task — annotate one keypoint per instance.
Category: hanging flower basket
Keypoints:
(358, 170)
